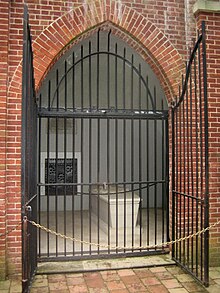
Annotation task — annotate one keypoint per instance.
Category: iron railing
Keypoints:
(190, 208)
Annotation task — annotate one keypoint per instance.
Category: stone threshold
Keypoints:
(92, 265)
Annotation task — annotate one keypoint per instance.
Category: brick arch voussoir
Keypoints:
(157, 49)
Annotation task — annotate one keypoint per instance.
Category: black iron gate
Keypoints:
(102, 153)
(190, 204)
(29, 162)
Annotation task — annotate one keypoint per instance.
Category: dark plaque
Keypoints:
(60, 171)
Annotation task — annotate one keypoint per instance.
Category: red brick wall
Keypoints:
(4, 26)
(213, 78)
(158, 29)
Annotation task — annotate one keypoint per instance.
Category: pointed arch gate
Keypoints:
(103, 145)
(120, 195)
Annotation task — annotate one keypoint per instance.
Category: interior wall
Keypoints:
(125, 89)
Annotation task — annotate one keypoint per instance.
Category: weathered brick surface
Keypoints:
(4, 29)
(160, 30)
(213, 77)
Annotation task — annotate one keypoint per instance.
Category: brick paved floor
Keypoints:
(155, 280)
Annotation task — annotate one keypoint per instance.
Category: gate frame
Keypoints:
(201, 41)
(28, 160)
(48, 112)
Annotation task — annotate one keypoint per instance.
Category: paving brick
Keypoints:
(143, 273)
(164, 275)
(193, 287)
(136, 287)
(130, 279)
(16, 286)
(214, 274)
(4, 285)
(59, 285)
(158, 269)
(110, 275)
(171, 283)
(75, 281)
(117, 284)
(91, 275)
(213, 289)
(78, 275)
(78, 289)
(178, 290)
(59, 291)
(217, 281)
(184, 278)
(96, 282)
(174, 270)
(40, 282)
(126, 272)
(157, 289)
(150, 281)
(39, 290)
(56, 277)
(120, 291)
(98, 290)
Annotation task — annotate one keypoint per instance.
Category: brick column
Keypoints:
(4, 30)
(210, 12)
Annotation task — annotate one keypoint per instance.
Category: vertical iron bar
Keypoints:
(65, 193)
(132, 178)
(132, 81)
(73, 82)
(90, 150)
(97, 68)
(48, 158)
(65, 150)
(98, 179)
(206, 211)
(90, 77)
(108, 70)
(82, 80)
(116, 77)
(124, 149)
(197, 158)
(124, 177)
(184, 182)
(148, 158)
(173, 180)
(167, 181)
(155, 172)
(81, 195)
(191, 166)
(108, 180)
(163, 170)
(124, 78)
(56, 148)
(116, 178)
(140, 156)
(188, 172)
(180, 178)
(201, 157)
(177, 180)
(132, 147)
(39, 177)
(75, 188)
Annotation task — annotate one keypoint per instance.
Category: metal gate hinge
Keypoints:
(28, 208)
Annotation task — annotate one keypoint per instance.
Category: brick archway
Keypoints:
(71, 27)
(139, 32)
